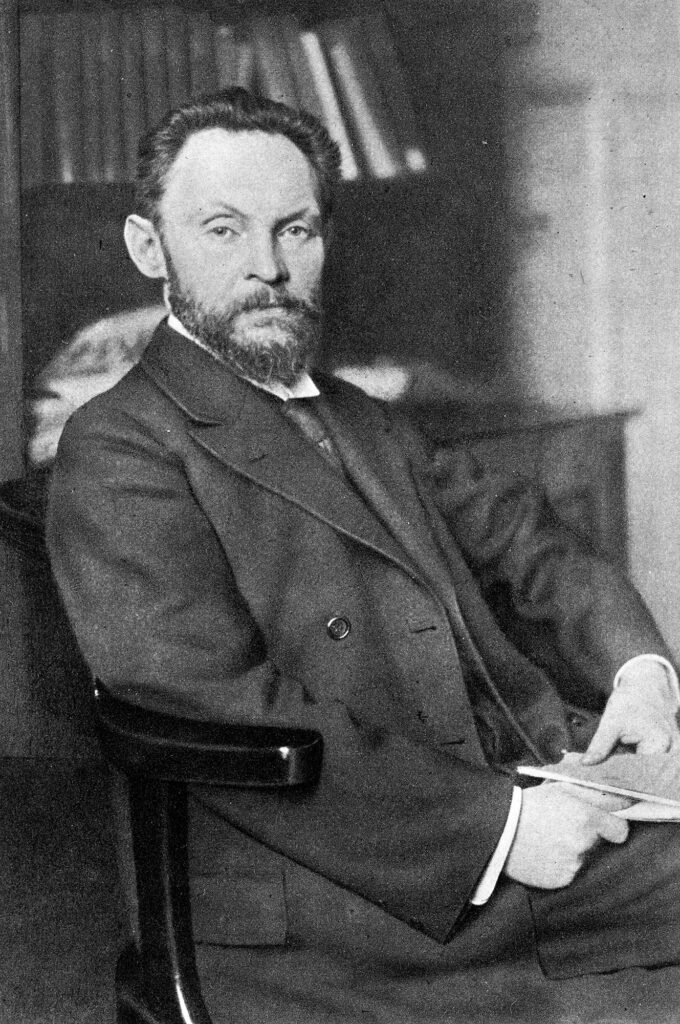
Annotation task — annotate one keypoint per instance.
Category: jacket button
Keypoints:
(338, 628)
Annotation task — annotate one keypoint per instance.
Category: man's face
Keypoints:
(241, 235)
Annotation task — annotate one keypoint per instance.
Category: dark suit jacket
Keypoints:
(202, 545)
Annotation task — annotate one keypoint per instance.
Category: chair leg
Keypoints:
(168, 1004)
(163, 969)
(131, 1007)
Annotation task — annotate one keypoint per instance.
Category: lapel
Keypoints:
(243, 428)
(382, 474)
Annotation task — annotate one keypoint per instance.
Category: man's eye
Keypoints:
(222, 231)
(297, 231)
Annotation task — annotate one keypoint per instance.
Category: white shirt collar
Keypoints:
(304, 386)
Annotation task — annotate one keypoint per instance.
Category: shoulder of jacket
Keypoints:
(134, 406)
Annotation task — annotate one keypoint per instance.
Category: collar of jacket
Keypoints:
(206, 390)
(210, 394)
(242, 427)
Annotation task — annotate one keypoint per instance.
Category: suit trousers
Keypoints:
(596, 951)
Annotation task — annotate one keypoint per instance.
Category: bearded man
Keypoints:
(238, 542)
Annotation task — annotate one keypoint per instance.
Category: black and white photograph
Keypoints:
(339, 529)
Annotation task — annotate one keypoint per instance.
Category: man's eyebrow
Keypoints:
(305, 213)
(222, 210)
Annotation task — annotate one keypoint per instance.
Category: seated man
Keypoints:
(235, 540)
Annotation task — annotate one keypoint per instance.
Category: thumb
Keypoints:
(613, 829)
(602, 743)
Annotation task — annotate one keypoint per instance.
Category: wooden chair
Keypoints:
(156, 981)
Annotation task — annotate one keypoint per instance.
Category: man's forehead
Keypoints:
(254, 167)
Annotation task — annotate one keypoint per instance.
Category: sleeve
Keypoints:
(494, 868)
(157, 613)
(570, 611)
(644, 660)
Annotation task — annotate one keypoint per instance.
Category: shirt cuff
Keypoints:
(492, 873)
(671, 674)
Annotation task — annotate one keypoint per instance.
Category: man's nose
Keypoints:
(265, 261)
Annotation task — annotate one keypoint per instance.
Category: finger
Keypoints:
(607, 801)
(602, 743)
(595, 797)
(612, 829)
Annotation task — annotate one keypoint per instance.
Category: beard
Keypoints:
(269, 336)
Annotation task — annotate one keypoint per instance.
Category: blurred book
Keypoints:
(202, 69)
(35, 98)
(177, 55)
(331, 112)
(367, 113)
(67, 95)
(91, 112)
(246, 62)
(272, 65)
(132, 90)
(389, 71)
(226, 56)
(156, 95)
(305, 85)
(111, 70)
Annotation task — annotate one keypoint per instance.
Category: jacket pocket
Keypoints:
(236, 884)
(241, 906)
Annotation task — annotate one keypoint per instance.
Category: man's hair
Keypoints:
(234, 110)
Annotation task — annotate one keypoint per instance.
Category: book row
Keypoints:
(94, 80)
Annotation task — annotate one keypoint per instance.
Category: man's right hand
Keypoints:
(557, 827)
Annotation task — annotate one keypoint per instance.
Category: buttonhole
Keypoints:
(423, 629)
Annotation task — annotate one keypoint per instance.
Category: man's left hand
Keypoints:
(641, 712)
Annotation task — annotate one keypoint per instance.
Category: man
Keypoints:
(235, 543)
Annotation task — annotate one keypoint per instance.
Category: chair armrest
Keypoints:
(156, 980)
(154, 744)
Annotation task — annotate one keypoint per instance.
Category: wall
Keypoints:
(593, 107)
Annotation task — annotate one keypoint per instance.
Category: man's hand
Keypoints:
(558, 825)
(641, 712)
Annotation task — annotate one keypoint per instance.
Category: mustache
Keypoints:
(264, 299)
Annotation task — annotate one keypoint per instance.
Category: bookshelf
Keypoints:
(94, 77)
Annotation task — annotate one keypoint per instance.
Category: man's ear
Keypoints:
(144, 245)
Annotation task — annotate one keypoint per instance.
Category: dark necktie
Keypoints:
(302, 412)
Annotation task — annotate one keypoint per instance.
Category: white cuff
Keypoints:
(671, 674)
(492, 872)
